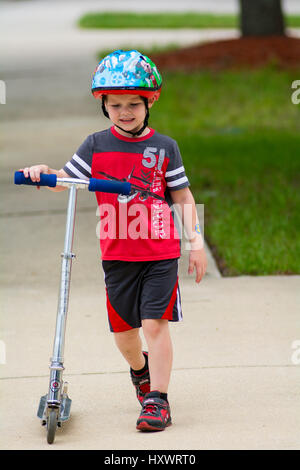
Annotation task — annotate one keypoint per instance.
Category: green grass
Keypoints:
(166, 20)
(228, 102)
(249, 185)
(239, 137)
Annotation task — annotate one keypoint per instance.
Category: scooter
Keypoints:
(55, 407)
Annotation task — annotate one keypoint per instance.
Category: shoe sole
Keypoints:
(144, 426)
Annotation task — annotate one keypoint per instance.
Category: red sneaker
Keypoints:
(155, 415)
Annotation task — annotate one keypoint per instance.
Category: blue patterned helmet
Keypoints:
(126, 72)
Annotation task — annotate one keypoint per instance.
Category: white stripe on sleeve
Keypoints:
(82, 163)
(174, 172)
(178, 182)
(76, 171)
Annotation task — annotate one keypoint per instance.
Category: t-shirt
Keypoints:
(139, 226)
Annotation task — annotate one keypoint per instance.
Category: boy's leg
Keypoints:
(160, 351)
(156, 414)
(130, 345)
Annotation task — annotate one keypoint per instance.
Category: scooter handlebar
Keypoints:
(45, 180)
(106, 186)
(94, 184)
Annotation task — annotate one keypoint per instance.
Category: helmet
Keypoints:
(126, 72)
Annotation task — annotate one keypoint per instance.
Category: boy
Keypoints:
(140, 260)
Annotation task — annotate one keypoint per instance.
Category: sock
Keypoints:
(144, 369)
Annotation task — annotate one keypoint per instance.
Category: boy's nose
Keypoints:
(125, 112)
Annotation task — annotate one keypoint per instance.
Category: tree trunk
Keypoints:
(261, 18)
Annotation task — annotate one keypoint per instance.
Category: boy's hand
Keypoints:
(34, 172)
(197, 259)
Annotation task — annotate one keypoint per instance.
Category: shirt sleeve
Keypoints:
(175, 173)
(80, 165)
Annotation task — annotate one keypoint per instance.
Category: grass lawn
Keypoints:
(166, 20)
(239, 137)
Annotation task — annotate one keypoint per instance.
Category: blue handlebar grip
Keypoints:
(106, 186)
(45, 180)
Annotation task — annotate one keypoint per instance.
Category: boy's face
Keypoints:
(127, 111)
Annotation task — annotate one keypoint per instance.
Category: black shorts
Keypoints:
(141, 290)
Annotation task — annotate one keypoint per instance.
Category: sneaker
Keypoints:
(141, 382)
(155, 415)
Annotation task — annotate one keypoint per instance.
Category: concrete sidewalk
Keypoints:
(235, 382)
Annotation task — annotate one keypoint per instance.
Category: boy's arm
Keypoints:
(197, 258)
(35, 171)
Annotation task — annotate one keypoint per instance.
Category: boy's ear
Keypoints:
(150, 102)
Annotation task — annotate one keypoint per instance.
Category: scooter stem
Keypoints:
(57, 359)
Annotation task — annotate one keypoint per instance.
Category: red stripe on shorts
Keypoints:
(117, 323)
(168, 315)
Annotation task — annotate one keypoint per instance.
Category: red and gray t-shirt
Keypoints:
(140, 226)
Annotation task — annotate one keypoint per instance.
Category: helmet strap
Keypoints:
(141, 130)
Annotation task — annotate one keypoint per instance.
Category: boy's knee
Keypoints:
(129, 336)
(153, 327)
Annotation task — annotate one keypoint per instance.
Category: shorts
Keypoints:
(141, 290)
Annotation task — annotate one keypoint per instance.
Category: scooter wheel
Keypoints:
(51, 426)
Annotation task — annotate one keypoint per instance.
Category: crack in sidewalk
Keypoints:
(78, 374)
